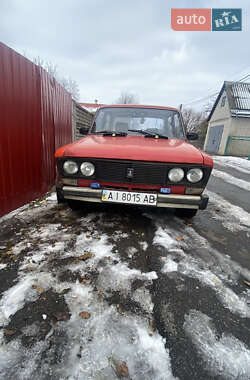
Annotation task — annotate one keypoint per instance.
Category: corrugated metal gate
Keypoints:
(35, 118)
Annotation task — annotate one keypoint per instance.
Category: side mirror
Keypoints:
(192, 136)
(84, 130)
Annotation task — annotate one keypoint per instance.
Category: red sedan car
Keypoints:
(137, 155)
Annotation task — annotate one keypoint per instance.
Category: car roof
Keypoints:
(137, 106)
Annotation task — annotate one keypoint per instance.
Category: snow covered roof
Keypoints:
(238, 95)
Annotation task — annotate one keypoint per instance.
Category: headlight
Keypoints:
(70, 167)
(194, 175)
(176, 174)
(87, 169)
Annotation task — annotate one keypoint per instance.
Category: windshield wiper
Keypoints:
(149, 134)
(111, 133)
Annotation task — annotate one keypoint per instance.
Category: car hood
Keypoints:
(136, 148)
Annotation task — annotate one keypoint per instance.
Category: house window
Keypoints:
(223, 101)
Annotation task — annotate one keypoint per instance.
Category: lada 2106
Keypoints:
(137, 155)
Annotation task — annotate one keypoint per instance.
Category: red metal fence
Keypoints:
(35, 118)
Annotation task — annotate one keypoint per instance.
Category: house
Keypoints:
(228, 130)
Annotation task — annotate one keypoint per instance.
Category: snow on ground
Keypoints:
(231, 180)
(207, 271)
(14, 298)
(51, 197)
(91, 348)
(241, 164)
(232, 217)
(87, 269)
(32, 208)
(225, 356)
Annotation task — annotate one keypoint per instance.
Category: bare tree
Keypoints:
(68, 83)
(127, 98)
(48, 66)
(71, 86)
(192, 119)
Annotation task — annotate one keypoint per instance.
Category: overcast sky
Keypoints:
(110, 46)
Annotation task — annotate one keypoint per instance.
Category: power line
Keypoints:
(199, 100)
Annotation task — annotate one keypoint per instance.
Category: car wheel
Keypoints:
(73, 204)
(59, 195)
(185, 212)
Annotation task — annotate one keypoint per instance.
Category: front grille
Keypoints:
(144, 173)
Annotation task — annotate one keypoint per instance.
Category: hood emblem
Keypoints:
(130, 172)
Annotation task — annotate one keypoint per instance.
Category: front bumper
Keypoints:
(164, 200)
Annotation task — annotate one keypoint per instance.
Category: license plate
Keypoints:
(146, 199)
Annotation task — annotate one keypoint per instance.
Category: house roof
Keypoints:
(238, 95)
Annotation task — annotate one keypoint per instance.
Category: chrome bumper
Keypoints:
(164, 200)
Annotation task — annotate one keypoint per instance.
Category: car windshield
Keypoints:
(139, 121)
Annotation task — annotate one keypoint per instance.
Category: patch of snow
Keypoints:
(89, 348)
(36, 257)
(238, 163)
(20, 246)
(221, 264)
(14, 213)
(144, 245)
(232, 217)
(131, 251)
(15, 297)
(143, 297)
(232, 180)
(200, 270)
(51, 197)
(119, 235)
(2, 266)
(226, 357)
(31, 330)
(109, 338)
(47, 231)
(119, 277)
(229, 299)
(164, 239)
(169, 265)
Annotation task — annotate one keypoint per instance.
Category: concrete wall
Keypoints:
(238, 148)
(240, 126)
(221, 113)
(80, 118)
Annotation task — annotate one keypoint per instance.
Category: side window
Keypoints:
(223, 101)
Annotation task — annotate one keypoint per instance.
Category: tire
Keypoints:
(185, 212)
(59, 195)
(74, 205)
